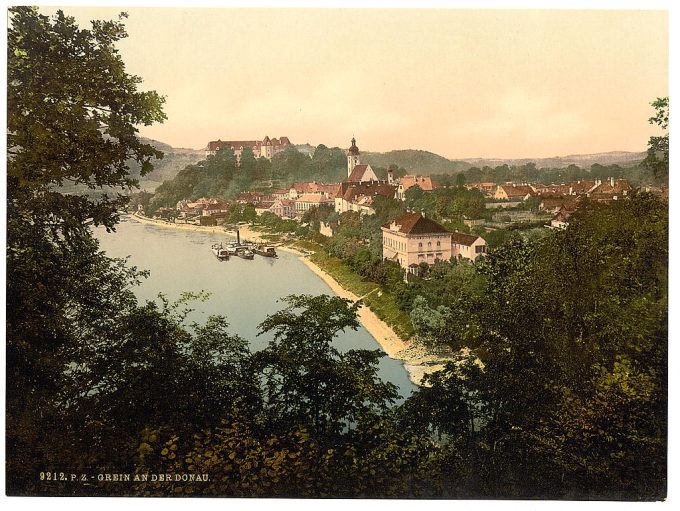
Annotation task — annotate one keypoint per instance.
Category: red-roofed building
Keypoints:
(309, 200)
(413, 239)
(514, 192)
(467, 246)
(312, 187)
(424, 182)
(283, 208)
(359, 196)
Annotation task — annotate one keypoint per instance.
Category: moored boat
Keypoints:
(220, 252)
(265, 251)
(244, 253)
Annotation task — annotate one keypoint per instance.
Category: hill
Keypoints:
(426, 163)
(622, 158)
(415, 161)
(174, 160)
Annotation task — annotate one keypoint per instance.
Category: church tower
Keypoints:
(352, 157)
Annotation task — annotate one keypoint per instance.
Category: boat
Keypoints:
(220, 252)
(244, 253)
(265, 251)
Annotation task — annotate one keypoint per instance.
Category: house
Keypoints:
(309, 200)
(561, 218)
(413, 238)
(282, 193)
(360, 196)
(486, 187)
(199, 205)
(424, 182)
(283, 208)
(514, 192)
(328, 229)
(554, 204)
(263, 206)
(265, 148)
(252, 198)
(467, 246)
(215, 208)
(312, 187)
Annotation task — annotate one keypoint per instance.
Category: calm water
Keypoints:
(243, 291)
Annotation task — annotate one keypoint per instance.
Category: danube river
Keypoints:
(243, 291)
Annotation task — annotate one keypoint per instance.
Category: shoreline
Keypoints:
(416, 361)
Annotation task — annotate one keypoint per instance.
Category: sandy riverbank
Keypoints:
(417, 362)
(247, 233)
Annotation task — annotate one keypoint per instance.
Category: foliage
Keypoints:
(657, 161)
(567, 372)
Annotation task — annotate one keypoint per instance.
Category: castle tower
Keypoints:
(352, 157)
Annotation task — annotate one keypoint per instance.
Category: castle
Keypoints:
(265, 148)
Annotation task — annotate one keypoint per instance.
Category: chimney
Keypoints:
(611, 181)
(238, 237)
(422, 213)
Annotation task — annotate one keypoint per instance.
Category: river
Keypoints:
(243, 291)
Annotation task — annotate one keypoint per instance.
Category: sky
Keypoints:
(457, 82)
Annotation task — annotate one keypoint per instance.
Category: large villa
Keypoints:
(413, 239)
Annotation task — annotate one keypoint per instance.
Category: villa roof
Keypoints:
(416, 223)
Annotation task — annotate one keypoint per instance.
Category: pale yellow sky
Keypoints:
(460, 83)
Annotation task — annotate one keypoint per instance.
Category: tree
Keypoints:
(72, 117)
(657, 160)
(309, 382)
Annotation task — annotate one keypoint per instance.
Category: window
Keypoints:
(439, 243)
(420, 245)
(429, 244)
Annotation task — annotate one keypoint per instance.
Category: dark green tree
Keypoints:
(657, 161)
(72, 117)
(309, 382)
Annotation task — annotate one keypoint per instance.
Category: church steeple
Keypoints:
(352, 157)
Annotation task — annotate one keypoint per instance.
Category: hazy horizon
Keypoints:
(492, 84)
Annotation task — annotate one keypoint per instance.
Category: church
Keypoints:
(358, 172)
(358, 191)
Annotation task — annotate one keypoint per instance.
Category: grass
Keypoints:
(381, 302)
